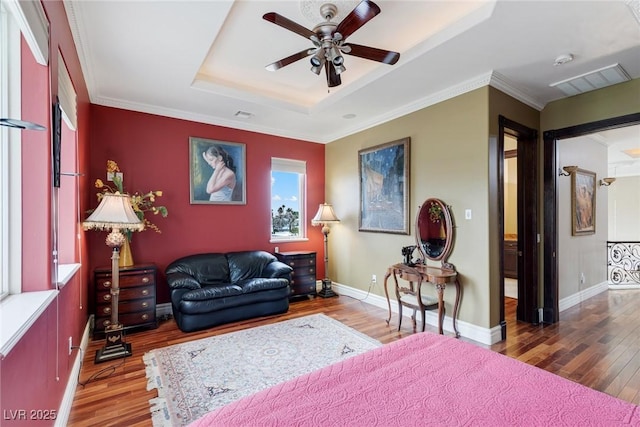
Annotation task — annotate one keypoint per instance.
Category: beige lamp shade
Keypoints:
(114, 211)
(325, 215)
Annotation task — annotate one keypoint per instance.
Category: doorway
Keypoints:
(551, 301)
(527, 238)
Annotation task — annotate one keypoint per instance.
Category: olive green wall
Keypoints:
(448, 160)
(453, 157)
(612, 101)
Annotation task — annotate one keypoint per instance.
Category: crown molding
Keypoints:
(503, 84)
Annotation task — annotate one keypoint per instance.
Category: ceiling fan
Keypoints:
(329, 40)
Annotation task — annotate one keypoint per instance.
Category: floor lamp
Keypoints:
(325, 216)
(114, 213)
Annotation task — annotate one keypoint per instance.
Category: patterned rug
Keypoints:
(199, 376)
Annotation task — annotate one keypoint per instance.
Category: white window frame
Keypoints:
(299, 167)
(10, 158)
(18, 310)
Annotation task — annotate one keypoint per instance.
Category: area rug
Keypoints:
(197, 377)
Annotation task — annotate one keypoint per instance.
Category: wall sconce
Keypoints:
(607, 181)
(568, 170)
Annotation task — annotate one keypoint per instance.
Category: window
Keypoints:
(10, 158)
(65, 210)
(288, 189)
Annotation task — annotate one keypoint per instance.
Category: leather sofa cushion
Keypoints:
(207, 269)
(243, 287)
(248, 264)
(242, 302)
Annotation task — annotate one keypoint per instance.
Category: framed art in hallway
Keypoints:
(217, 172)
(384, 187)
(583, 202)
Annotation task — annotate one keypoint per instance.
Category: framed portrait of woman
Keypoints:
(583, 202)
(217, 172)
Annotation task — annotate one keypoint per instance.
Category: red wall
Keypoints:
(152, 151)
(153, 154)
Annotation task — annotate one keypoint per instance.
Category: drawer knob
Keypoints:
(106, 322)
(106, 310)
(145, 304)
(145, 280)
(107, 297)
(145, 292)
(107, 284)
(145, 317)
(292, 263)
(311, 270)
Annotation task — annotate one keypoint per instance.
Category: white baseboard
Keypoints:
(467, 330)
(67, 400)
(613, 286)
(581, 296)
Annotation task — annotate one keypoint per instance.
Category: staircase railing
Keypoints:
(623, 262)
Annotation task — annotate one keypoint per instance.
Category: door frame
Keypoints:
(551, 301)
(528, 166)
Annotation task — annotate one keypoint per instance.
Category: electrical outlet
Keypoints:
(374, 279)
(582, 279)
(70, 345)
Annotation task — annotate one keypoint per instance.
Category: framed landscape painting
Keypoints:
(217, 172)
(583, 202)
(384, 187)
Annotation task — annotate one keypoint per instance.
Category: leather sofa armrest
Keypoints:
(277, 269)
(182, 281)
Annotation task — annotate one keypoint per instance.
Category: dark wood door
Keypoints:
(527, 250)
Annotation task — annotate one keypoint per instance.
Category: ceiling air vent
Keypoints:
(597, 79)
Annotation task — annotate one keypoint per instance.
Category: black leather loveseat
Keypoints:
(216, 288)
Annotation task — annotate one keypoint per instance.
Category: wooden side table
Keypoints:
(303, 278)
(437, 276)
(137, 301)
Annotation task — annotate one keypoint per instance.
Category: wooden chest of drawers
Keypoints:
(511, 259)
(137, 300)
(304, 271)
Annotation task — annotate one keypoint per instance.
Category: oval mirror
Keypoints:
(434, 231)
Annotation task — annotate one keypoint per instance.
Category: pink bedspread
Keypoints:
(427, 379)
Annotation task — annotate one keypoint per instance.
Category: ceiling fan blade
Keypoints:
(333, 79)
(374, 54)
(359, 16)
(288, 24)
(289, 60)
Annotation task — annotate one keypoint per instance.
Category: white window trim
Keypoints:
(299, 167)
(11, 219)
(19, 310)
(33, 23)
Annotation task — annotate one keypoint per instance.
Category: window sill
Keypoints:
(18, 313)
(66, 272)
(289, 239)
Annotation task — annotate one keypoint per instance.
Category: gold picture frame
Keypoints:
(583, 202)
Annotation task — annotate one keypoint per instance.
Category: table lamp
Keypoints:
(114, 213)
(325, 216)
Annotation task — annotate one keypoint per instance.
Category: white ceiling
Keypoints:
(204, 60)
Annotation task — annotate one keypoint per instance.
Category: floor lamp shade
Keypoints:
(325, 216)
(114, 213)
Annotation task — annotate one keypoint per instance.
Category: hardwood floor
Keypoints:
(596, 343)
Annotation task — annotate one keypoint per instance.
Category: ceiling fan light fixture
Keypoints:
(317, 59)
(336, 57)
(339, 69)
